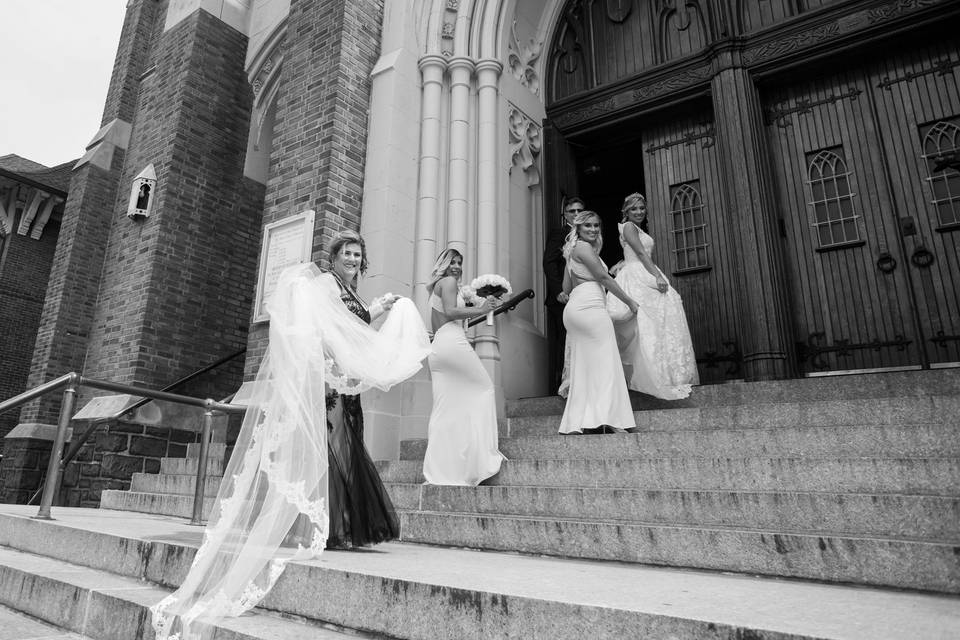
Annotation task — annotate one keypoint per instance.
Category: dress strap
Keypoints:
(349, 290)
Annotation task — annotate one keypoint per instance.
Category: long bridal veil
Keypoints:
(278, 470)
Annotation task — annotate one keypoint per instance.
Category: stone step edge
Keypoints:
(683, 490)
(714, 458)
(690, 527)
(516, 409)
(454, 595)
(271, 625)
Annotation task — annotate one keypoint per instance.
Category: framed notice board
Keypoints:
(285, 243)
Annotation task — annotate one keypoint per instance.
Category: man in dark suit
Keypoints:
(553, 266)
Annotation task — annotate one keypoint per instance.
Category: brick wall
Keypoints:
(176, 287)
(320, 135)
(24, 270)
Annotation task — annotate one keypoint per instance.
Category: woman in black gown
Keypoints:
(361, 512)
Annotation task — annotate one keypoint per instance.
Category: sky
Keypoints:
(57, 57)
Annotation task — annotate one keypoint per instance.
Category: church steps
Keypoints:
(913, 440)
(891, 384)
(929, 476)
(823, 413)
(417, 592)
(106, 606)
(167, 504)
(172, 484)
(891, 562)
(188, 466)
(931, 518)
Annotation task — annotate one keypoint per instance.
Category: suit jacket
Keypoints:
(554, 264)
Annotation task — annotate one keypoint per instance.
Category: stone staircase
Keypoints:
(815, 508)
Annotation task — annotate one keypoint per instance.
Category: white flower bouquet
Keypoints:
(491, 284)
(469, 296)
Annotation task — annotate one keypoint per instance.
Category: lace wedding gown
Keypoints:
(278, 470)
(462, 433)
(655, 346)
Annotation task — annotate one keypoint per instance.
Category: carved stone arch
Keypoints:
(263, 73)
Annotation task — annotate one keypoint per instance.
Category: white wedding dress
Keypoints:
(597, 394)
(462, 433)
(278, 470)
(655, 346)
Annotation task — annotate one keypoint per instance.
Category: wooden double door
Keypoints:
(865, 168)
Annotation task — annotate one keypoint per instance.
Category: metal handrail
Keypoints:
(76, 443)
(73, 381)
(509, 305)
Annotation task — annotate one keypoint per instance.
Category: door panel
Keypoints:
(850, 309)
(917, 103)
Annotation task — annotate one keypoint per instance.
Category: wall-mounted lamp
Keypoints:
(142, 193)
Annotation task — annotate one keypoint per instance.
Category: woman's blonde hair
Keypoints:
(340, 241)
(441, 265)
(574, 234)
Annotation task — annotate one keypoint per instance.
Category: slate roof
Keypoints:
(56, 178)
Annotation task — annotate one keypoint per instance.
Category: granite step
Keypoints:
(891, 384)
(172, 484)
(913, 440)
(925, 476)
(892, 562)
(156, 503)
(869, 411)
(106, 606)
(418, 592)
(931, 518)
(214, 450)
(188, 466)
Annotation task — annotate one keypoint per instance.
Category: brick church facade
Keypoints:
(799, 157)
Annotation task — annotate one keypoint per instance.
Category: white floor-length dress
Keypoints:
(462, 433)
(597, 393)
(655, 345)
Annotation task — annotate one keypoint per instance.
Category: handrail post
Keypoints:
(52, 486)
(206, 430)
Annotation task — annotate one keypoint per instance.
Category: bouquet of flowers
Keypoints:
(490, 284)
(469, 296)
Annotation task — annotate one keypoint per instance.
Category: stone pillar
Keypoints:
(428, 197)
(764, 314)
(320, 136)
(461, 71)
(487, 344)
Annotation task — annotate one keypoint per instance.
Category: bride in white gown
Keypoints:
(655, 344)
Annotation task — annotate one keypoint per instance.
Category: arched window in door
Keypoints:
(832, 199)
(689, 227)
(941, 151)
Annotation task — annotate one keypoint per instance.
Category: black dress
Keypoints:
(361, 512)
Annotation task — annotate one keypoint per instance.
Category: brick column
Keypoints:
(320, 136)
(175, 287)
(764, 314)
(67, 316)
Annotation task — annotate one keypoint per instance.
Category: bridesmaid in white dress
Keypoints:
(597, 397)
(462, 434)
(655, 343)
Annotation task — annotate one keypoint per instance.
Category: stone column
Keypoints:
(461, 71)
(764, 314)
(487, 344)
(428, 196)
